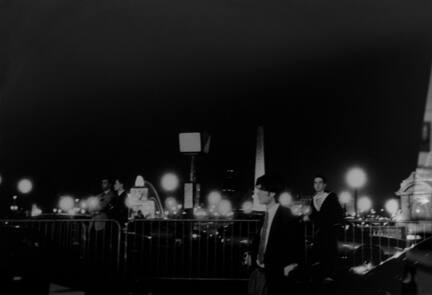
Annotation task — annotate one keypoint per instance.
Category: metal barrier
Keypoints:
(360, 242)
(79, 240)
(189, 249)
(202, 249)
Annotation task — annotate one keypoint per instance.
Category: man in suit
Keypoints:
(278, 251)
(326, 214)
(119, 210)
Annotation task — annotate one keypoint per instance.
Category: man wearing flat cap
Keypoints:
(278, 251)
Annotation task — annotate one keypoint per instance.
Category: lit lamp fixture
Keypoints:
(170, 182)
(392, 207)
(356, 179)
(364, 204)
(345, 198)
(192, 144)
(25, 186)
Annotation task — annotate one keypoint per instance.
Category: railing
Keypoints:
(202, 249)
(86, 241)
(189, 249)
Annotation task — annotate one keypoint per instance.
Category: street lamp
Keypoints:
(170, 182)
(392, 206)
(25, 186)
(356, 178)
(364, 204)
(345, 198)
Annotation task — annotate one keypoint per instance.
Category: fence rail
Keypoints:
(202, 249)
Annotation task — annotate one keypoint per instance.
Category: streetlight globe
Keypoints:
(214, 198)
(170, 182)
(392, 206)
(25, 186)
(356, 178)
(345, 198)
(364, 204)
(285, 199)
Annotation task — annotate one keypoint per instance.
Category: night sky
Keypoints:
(102, 88)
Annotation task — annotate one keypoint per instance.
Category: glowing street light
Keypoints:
(285, 199)
(364, 204)
(345, 198)
(25, 186)
(214, 198)
(169, 182)
(225, 208)
(66, 203)
(247, 207)
(392, 206)
(356, 179)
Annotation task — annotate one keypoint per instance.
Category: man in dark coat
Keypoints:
(279, 248)
(326, 214)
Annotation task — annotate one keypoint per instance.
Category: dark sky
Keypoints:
(92, 88)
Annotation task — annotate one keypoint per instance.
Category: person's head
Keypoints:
(266, 189)
(105, 184)
(118, 184)
(319, 183)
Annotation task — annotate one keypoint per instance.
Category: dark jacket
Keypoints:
(325, 233)
(285, 245)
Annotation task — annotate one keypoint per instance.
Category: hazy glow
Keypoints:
(66, 203)
(171, 204)
(200, 212)
(1, 179)
(356, 178)
(170, 182)
(214, 198)
(139, 181)
(247, 207)
(364, 204)
(93, 203)
(392, 206)
(25, 186)
(225, 208)
(345, 198)
(285, 199)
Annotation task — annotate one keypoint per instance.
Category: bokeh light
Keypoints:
(25, 186)
(170, 182)
(356, 178)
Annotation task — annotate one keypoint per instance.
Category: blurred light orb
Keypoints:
(392, 206)
(247, 207)
(345, 197)
(1, 179)
(356, 177)
(93, 203)
(285, 199)
(83, 204)
(224, 208)
(214, 198)
(170, 182)
(66, 203)
(364, 204)
(25, 186)
(171, 203)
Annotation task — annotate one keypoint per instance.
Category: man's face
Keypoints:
(105, 184)
(264, 197)
(118, 185)
(319, 184)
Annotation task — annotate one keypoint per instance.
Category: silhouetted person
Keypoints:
(278, 251)
(326, 213)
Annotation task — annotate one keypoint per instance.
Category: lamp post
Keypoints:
(356, 179)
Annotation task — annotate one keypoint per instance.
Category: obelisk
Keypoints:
(259, 164)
